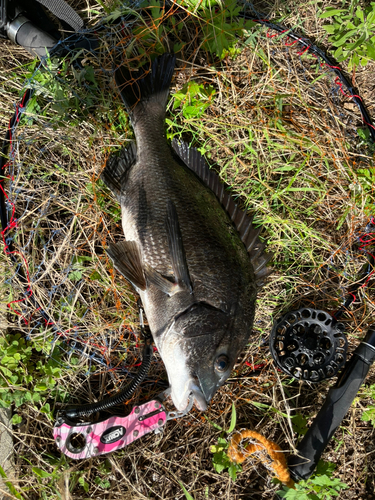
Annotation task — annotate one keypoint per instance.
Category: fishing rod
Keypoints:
(336, 405)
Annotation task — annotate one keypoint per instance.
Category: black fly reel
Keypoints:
(308, 344)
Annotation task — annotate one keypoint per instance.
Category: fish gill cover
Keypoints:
(278, 125)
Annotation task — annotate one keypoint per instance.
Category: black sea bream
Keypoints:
(191, 254)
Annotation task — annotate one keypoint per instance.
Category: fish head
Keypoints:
(199, 350)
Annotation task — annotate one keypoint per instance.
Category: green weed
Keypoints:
(219, 25)
(352, 32)
(220, 459)
(320, 486)
(25, 376)
(368, 414)
(194, 98)
(216, 21)
(186, 493)
(49, 481)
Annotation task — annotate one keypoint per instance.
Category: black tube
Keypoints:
(86, 410)
(34, 40)
(338, 401)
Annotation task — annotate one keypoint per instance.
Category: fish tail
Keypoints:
(141, 88)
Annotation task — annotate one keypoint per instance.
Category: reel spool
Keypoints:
(308, 344)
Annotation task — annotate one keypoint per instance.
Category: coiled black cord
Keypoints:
(79, 411)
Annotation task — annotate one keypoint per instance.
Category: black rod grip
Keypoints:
(336, 405)
(34, 40)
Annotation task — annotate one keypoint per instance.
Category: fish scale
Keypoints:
(182, 250)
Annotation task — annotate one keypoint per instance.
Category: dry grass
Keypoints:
(280, 132)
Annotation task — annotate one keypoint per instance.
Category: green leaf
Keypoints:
(219, 467)
(12, 489)
(326, 468)
(41, 387)
(355, 59)
(36, 397)
(232, 471)
(369, 415)
(16, 419)
(293, 494)
(329, 28)
(299, 423)
(331, 12)
(342, 39)
(322, 481)
(370, 49)
(28, 396)
(46, 409)
(233, 420)
(352, 46)
(75, 275)
(95, 276)
(337, 52)
(217, 448)
(222, 441)
(216, 426)
(40, 472)
(83, 483)
(187, 494)
(371, 20)
(6, 372)
(328, 482)
(359, 14)
(260, 405)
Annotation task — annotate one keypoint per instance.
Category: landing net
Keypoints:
(271, 112)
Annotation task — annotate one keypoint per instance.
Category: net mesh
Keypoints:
(270, 115)
(273, 105)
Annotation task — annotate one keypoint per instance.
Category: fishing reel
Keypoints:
(308, 344)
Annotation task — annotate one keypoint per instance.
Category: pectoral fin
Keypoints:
(127, 259)
(162, 283)
(176, 247)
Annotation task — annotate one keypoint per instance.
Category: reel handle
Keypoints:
(338, 401)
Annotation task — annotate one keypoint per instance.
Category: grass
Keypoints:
(278, 130)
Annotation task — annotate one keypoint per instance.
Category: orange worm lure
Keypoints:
(265, 450)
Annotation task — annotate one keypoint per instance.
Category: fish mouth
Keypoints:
(198, 397)
(193, 392)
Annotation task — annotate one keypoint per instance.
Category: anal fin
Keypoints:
(127, 259)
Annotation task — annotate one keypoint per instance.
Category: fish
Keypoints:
(193, 256)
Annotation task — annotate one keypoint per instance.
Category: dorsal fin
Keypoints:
(242, 221)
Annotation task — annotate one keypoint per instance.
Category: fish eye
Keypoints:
(222, 363)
